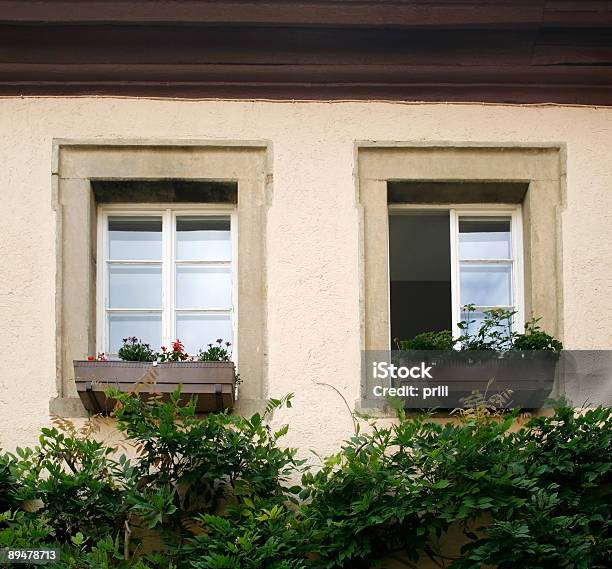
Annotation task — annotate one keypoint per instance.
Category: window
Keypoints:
(441, 259)
(165, 274)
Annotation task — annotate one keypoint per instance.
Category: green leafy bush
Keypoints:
(565, 518)
(9, 485)
(216, 492)
(79, 485)
(19, 529)
(90, 501)
(189, 465)
(494, 333)
(535, 338)
(537, 497)
(253, 538)
(82, 553)
(442, 340)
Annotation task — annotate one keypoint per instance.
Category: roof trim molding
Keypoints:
(311, 12)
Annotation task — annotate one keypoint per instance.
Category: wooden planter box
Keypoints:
(529, 374)
(212, 383)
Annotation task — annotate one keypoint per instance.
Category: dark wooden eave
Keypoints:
(508, 51)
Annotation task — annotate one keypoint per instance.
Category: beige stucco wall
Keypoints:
(313, 278)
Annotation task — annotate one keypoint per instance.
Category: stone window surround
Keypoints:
(76, 163)
(542, 167)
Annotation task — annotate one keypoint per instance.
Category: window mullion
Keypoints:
(102, 268)
(518, 298)
(234, 271)
(168, 271)
(454, 255)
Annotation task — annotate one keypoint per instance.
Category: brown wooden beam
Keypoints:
(238, 45)
(517, 64)
(264, 45)
(491, 75)
(281, 12)
(369, 13)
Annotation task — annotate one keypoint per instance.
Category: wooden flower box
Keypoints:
(529, 375)
(211, 383)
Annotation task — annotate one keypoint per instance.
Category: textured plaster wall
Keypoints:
(312, 234)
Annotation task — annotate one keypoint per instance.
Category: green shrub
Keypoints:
(539, 497)
(106, 553)
(9, 485)
(80, 486)
(442, 340)
(20, 529)
(565, 519)
(216, 491)
(251, 538)
(191, 465)
(494, 333)
(394, 489)
(534, 338)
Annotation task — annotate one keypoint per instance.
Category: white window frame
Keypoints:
(514, 212)
(168, 213)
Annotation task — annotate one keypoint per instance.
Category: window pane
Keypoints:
(486, 285)
(196, 331)
(135, 286)
(484, 238)
(420, 273)
(134, 238)
(143, 325)
(203, 239)
(199, 286)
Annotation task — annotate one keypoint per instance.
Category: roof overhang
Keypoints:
(506, 51)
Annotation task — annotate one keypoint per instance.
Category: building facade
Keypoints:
(331, 157)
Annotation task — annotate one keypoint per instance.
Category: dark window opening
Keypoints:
(420, 273)
(165, 191)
